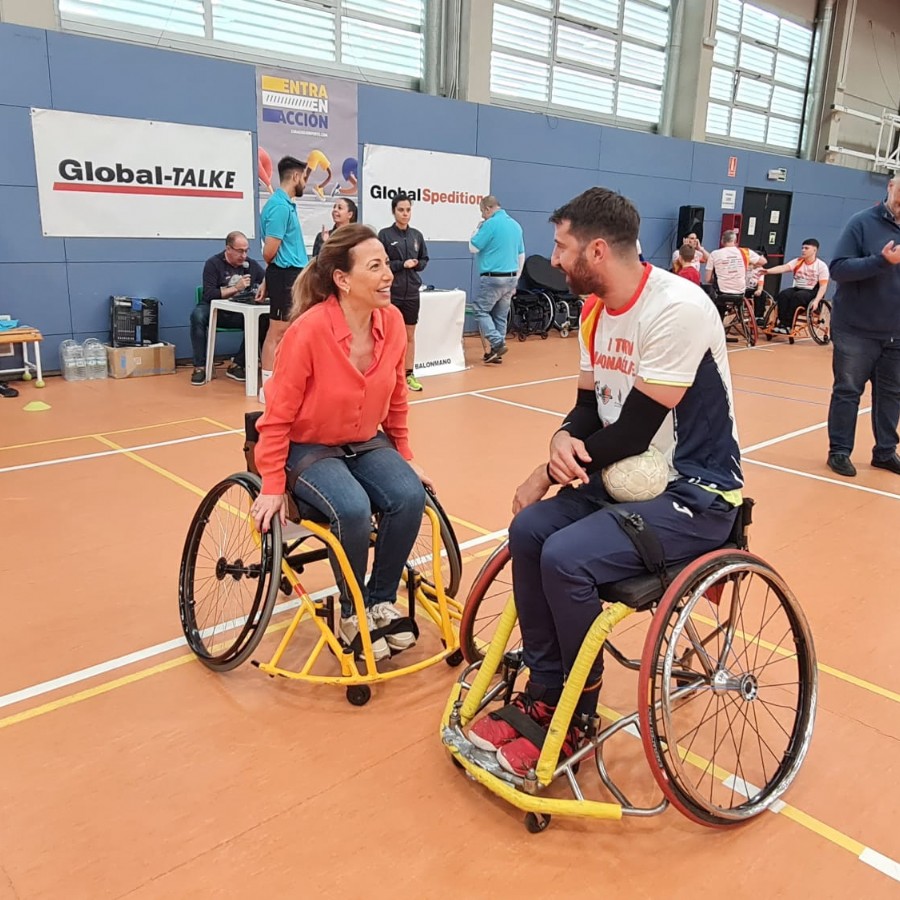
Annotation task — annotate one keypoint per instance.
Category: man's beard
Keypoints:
(582, 281)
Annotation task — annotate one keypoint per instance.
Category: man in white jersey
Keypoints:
(654, 370)
(811, 278)
(729, 264)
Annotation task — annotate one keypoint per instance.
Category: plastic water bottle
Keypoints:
(67, 360)
(79, 364)
(94, 359)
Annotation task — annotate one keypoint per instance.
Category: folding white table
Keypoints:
(251, 313)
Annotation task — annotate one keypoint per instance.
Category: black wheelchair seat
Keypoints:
(643, 591)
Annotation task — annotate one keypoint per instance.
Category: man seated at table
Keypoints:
(225, 275)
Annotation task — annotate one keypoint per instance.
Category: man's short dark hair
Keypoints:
(399, 199)
(289, 164)
(810, 242)
(601, 213)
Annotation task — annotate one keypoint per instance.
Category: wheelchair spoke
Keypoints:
(709, 750)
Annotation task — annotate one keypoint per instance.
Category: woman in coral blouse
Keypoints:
(334, 430)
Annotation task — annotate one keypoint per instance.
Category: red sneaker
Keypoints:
(521, 755)
(493, 732)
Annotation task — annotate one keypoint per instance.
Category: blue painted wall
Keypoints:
(62, 286)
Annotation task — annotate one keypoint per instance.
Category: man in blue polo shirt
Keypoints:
(501, 255)
(284, 253)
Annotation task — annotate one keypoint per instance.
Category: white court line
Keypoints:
(882, 863)
(101, 453)
(128, 659)
(757, 349)
(792, 434)
(502, 387)
(842, 483)
(549, 412)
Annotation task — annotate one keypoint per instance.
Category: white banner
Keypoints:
(100, 176)
(439, 334)
(445, 189)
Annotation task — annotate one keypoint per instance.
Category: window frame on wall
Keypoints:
(348, 15)
(606, 31)
(745, 47)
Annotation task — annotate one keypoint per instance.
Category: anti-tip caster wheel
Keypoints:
(359, 694)
(521, 336)
(536, 822)
(454, 659)
(27, 376)
(564, 331)
(790, 340)
(545, 335)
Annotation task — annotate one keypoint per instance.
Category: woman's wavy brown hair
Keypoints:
(316, 281)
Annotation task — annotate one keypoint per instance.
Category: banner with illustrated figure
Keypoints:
(312, 118)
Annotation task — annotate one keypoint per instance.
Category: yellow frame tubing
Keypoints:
(350, 673)
(591, 647)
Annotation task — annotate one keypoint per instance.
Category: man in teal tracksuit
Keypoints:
(500, 248)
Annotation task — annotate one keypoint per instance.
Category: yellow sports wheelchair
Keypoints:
(726, 698)
(231, 576)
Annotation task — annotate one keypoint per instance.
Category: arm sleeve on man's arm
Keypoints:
(629, 435)
(212, 290)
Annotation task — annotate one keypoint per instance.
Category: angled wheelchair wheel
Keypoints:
(749, 328)
(484, 605)
(421, 557)
(229, 576)
(727, 689)
(820, 323)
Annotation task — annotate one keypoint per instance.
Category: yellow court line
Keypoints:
(476, 528)
(219, 424)
(811, 823)
(152, 466)
(84, 437)
(870, 686)
(106, 687)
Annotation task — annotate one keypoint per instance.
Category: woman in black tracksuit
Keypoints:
(408, 256)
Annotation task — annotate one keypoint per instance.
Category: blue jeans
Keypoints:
(200, 330)
(347, 491)
(564, 547)
(857, 360)
(491, 308)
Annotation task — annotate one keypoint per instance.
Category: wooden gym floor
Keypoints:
(128, 769)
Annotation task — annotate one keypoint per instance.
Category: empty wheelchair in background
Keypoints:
(543, 301)
(231, 577)
(726, 698)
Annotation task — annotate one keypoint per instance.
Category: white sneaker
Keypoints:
(386, 613)
(349, 629)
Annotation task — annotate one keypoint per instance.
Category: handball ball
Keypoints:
(637, 478)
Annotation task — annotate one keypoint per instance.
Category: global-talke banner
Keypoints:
(104, 176)
(312, 118)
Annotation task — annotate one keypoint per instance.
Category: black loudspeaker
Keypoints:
(690, 221)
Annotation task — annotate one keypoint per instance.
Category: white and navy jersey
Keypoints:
(669, 333)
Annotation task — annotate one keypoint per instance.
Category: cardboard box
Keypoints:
(135, 362)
